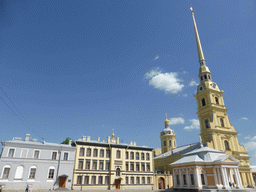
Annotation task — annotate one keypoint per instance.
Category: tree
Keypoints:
(66, 141)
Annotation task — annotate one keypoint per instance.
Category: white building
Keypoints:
(40, 165)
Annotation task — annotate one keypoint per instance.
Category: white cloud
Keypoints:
(178, 120)
(250, 146)
(194, 124)
(157, 57)
(169, 82)
(243, 118)
(193, 83)
(247, 137)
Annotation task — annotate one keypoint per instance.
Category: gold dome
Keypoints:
(166, 120)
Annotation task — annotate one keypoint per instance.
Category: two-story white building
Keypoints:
(41, 165)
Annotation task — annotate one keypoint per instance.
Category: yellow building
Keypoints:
(112, 165)
(216, 130)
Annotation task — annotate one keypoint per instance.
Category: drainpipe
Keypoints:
(57, 175)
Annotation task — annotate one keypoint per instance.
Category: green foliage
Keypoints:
(66, 141)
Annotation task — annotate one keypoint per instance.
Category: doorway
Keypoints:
(161, 184)
(62, 182)
(117, 184)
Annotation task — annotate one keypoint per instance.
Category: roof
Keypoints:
(206, 155)
(179, 150)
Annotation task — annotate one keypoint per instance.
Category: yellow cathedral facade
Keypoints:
(216, 129)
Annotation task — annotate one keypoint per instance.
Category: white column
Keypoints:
(226, 174)
(215, 176)
(239, 182)
(196, 178)
(174, 179)
(187, 178)
(231, 176)
(223, 177)
(181, 183)
(219, 179)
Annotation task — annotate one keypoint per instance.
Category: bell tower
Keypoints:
(168, 137)
(216, 129)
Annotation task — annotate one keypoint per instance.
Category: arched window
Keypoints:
(217, 100)
(117, 172)
(221, 122)
(19, 172)
(202, 78)
(209, 77)
(205, 77)
(32, 172)
(164, 143)
(226, 145)
(6, 171)
(207, 123)
(203, 102)
(170, 143)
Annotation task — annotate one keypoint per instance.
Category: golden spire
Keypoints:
(199, 47)
(113, 135)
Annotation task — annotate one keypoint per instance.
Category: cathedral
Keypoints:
(216, 131)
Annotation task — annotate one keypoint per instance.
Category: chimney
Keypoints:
(98, 138)
(117, 140)
(131, 143)
(134, 143)
(69, 142)
(108, 139)
(88, 138)
(84, 138)
(27, 137)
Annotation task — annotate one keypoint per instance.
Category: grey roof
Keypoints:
(179, 150)
(206, 155)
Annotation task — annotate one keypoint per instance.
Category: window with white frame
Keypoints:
(54, 155)
(19, 172)
(106, 180)
(11, 152)
(143, 180)
(118, 154)
(51, 172)
(36, 154)
(86, 180)
(148, 180)
(32, 172)
(6, 172)
(147, 157)
(65, 157)
(81, 152)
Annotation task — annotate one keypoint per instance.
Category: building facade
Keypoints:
(40, 165)
(112, 165)
(216, 129)
(206, 168)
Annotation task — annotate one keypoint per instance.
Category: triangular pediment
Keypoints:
(228, 159)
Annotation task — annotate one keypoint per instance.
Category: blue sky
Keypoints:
(73, 68)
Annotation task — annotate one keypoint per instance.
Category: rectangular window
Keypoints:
(51, 174)
(148, 166)
(202, 179)
(107, 166)
(36, 154)
(148, 180)
(137, 166)
(65, 157)
(127, 166)
(137, 180)
(137, 156)
(143, 180)
(132, 155)
(81, 152)
(178, 179)
(118, 154)
(94, 164)
(102, 153)
(126, 155)
(147, 157)
(143, 167)
(126, 180)
(6, 173)
(86, 180)
(184, 180)
(93, 180)
(107, 180)
(132, 180)
(101, 164)
(88, 152)
(95, 153)
(131, 166)
(79, 180)
(142, 156)
(32, 173)
(54, 155)
(192, 179)
(100, 180)
(88, 164)
(80, 164)
(11, 152)
(108, 153)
